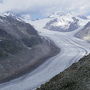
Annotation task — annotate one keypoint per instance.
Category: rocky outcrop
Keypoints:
(76, 77)
(84, 33)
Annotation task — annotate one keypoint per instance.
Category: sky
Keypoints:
(40, 8)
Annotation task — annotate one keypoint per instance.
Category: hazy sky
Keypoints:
(45, 7)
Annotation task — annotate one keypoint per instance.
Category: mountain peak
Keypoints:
(11, 15)
(66, 21)
(8, 14)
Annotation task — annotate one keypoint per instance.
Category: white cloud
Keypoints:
(45, 6)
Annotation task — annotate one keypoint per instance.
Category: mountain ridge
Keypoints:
(21, 48)
(66, 22)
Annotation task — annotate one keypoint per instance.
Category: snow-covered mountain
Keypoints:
(58, 21)
(12, 15)
(66, 22)
(20, 17)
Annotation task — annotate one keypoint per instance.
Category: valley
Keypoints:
(72, 49)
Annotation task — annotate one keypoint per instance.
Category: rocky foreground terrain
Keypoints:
(76, 77)
(21, 48)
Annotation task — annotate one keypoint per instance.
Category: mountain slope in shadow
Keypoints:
(84, 33)
(21, 48)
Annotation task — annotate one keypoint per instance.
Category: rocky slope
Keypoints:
(84, 33)
(21, 48)
(76, 77)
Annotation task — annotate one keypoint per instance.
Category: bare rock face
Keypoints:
(76, 77)
(84, 33)
(21, 48)
(16, 35)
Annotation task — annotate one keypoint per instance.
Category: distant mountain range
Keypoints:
(66, 22)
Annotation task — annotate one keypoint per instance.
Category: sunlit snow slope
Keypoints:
(66, 22)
